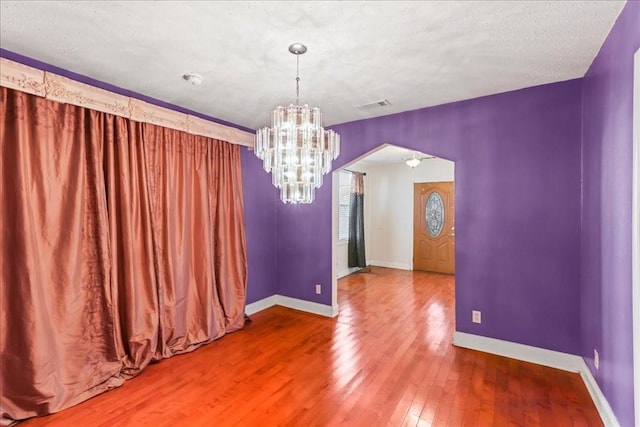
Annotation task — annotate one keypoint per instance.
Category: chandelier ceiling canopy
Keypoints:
(296, 149)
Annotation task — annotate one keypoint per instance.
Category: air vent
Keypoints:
(374, 104)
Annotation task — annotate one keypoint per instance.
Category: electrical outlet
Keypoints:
(476, 316)
(318, 289)
(596, 359)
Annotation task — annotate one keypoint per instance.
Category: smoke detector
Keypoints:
(193, 78)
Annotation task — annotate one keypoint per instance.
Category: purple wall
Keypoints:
(288, 246)
(607, 145)
(280, 236)
(517, 160)
(304, 247)
(260, 198)
(517, 210)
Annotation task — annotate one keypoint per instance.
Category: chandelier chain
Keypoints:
(297, 79)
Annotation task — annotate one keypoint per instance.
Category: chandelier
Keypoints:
(297, 150)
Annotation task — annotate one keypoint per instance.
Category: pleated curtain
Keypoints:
(122, 243)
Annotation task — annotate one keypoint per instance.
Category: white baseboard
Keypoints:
(527, 353)
(294, 303)
(397, 265)
(347, 272)
(604, 409)
(260, 305)
(308, 306)
(541, 356)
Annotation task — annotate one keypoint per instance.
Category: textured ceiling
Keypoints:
(414, 54)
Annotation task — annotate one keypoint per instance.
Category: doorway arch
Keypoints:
(401, 230)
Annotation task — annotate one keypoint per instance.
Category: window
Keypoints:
(344, 194)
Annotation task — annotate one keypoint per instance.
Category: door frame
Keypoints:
(334, 219)
(635, 227)
(453, 221)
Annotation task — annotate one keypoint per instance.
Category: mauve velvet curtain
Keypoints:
(56, 308)
(123, 243)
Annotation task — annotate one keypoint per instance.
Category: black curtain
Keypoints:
(356, 222)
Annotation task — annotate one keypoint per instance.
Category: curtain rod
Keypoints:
(347, 170)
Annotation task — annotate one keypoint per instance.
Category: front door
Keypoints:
(433, 227)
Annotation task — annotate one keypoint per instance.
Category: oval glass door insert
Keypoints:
(434, 214)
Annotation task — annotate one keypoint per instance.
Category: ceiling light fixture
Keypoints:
(297, 150)
(415, 159)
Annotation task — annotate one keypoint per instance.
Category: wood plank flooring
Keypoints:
(386, 360)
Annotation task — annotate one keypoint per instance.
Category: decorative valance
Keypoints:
(17, 76)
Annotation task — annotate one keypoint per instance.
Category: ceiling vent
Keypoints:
(374, 104)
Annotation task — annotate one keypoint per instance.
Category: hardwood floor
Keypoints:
(387, 359)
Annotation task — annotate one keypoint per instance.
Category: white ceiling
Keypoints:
(414, 54)
(387, 154)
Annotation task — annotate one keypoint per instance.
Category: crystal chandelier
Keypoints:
(297, 150)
